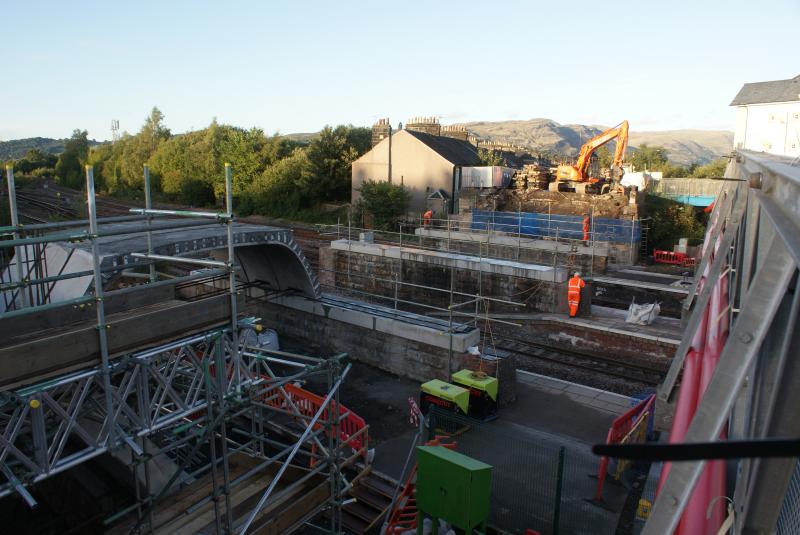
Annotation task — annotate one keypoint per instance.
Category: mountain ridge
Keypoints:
(684, 146)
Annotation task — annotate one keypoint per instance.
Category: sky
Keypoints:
(297, 66)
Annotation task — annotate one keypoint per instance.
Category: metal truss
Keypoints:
(188, 384)
(753, 390)
(180, 398)
(52, 426)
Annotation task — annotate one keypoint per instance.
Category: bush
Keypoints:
(671, 220)
(197, 193)
(386, 202)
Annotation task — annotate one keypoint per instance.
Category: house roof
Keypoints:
(764, 92)
(439, 194)
(455, 151)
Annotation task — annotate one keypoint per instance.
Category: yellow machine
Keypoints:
(577, 176)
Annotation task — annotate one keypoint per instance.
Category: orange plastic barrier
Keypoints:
(403, 516)
(670, 257)
(309, 403)
(620, 428)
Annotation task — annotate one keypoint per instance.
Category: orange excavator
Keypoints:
(578, 177)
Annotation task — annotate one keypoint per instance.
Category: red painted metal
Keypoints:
(701, 360)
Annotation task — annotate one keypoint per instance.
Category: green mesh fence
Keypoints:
(526, 474)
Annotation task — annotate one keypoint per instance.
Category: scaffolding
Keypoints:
(199, 400)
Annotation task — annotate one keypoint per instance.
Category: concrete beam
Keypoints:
(508, 240)
(387, 321)
(454, 260)
(56, 352)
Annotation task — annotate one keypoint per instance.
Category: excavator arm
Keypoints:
(619, 132)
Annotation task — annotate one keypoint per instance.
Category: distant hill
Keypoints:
(16, 148)
(684, 146)
(302, 137)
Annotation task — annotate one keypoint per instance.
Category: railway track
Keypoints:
(616, 368)
(26, 200)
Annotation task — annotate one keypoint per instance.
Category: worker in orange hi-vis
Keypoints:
(574, 293)
(586, 228)
(426, 218)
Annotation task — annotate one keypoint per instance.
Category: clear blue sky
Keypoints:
(296, 66)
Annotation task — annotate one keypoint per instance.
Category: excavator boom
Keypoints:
(580, 171)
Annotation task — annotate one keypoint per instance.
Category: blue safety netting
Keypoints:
(562, 226)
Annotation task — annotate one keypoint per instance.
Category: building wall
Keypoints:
(772, 128)
(414, 164)
(374, 275)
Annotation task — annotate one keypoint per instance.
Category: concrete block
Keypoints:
(352, 317)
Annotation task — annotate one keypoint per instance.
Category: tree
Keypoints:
(275, 192)
(385, 201)
(69, 168)
(649, 158)
(359, 138)
(604, 158)
(672, 220)
(138, 149)
(34, 160)
(715, 169)
(327, 175)
(490, 157)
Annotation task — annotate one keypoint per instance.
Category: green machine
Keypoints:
(449, 397)
(453, 487)
(482, 393)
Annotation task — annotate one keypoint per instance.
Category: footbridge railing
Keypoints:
(735, 373)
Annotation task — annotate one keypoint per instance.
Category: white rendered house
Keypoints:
(768, 117)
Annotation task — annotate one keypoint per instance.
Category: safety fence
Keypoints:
(351, 427)
(538, 483)
(789, 517)
(631, 427)
(558, 226)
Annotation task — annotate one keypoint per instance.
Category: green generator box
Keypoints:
(453, 487)
(452, 398)
(482, 393)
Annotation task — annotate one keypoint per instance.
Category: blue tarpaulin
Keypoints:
(563, 226)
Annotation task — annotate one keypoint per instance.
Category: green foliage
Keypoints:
(272, 175)
(649, 158)
(359, 138)
(604, 158)
(327, 175)
(276, 191)
(715, 169)
(655, 159)
(490, 157)
(17, 148)
(197, 193)
(670, 170)
(35, 160)
(386, 202)
(672, 220)
(69, 168)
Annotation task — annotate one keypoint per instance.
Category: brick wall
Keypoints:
(325, 336)
(366, 270)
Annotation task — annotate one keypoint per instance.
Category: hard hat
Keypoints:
(577, 273)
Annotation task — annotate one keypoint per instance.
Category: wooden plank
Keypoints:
(289, 517)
